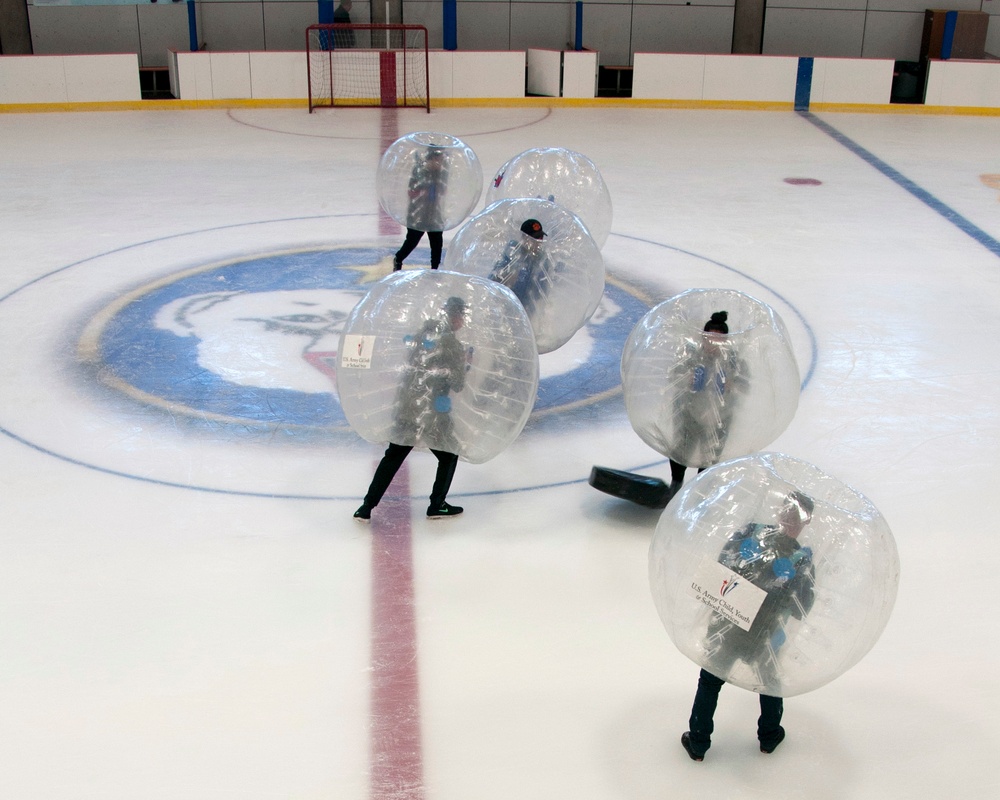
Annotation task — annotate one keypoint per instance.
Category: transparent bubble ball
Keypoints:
(699, 398)
(768, 612)
(429, 181)
(562, 176)
(434, 359)
(559, 278)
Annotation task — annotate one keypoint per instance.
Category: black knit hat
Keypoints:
(717, 323)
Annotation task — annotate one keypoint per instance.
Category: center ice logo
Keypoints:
(254, 341)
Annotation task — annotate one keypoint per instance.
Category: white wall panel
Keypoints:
(69, 79)
(91, 79)
(607, 29)
(483, 25)
(278, 75)
(429, 15)
(162, 27)
(233, 26)
(230, 75)
(840, 5)
(682, 29)
(660, 76)
(194, 76)
(285, 24)
(993, 32)
(579, 74)
(32, 79)
(488, 74)
(542, 24)
(922, 5)
(963, 83)
(544, 70)
(62, 30)
(750, 78)
(851, 80)
(893, 35)
(831, 33)
(441, 66)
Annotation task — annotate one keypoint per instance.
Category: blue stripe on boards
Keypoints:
(948, 40)
(803, 84)
(449, 24)
(192, 27)
(897, 177)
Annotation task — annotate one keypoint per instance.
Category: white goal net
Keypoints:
(367, 65)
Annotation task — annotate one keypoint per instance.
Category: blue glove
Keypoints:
(749, 549)
(783, 568)
(442, 404)
(778, 638)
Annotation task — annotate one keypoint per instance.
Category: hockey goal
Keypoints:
(368, 65)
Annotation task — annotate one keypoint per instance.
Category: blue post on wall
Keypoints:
(324, 12)
(450, 24)
(948, 40)
(192, 27)
(578, 44)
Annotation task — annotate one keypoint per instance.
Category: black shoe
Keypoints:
(364, 513)
(686, 741)
(443, 510)
(772, 746)
(396, 264)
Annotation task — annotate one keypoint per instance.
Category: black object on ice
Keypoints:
(646, 491)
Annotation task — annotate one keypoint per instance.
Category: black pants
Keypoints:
(677, 471)
(702, 713)
(413, 236)
(395, 455)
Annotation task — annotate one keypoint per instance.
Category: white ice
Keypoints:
(160, 642)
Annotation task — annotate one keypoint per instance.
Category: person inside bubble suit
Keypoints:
(525, 266)
(436, 368)
(770, 557)
(713, 377)
(427, 187)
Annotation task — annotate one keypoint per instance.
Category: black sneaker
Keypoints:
(364, 513)
(444, 510)
(396, 264)
(770, 747)
(686, 741)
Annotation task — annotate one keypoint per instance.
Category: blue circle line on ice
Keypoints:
(617, 332)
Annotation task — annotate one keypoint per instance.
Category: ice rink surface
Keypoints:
(187, 609)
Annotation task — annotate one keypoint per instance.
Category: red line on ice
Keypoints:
(396, 756)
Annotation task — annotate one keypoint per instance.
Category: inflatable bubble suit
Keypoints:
(700, 398)
(773, 575)
(435, 359)
(429, 181)
(553, 173)
(559, 278)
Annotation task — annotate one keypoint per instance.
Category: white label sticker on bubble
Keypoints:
(727, 593)
(357, 351)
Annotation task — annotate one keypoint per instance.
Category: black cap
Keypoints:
(717, 323)
(533, 228)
